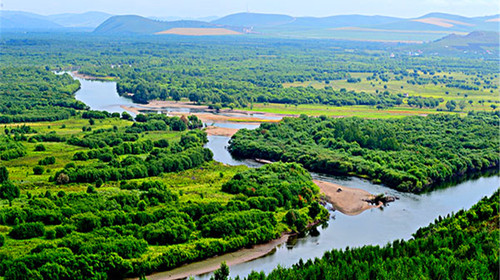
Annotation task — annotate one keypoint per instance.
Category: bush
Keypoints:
(91, 189)
(38, 170)
(4, 174)
(86, 222)
(27, 230)
(50, 234)
(2, 240)
(47, 161)
(39, 148)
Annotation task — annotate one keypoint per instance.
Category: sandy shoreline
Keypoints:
(207, 117)
(350, 201)
(220, 131)
(88, 77)
(211, 264)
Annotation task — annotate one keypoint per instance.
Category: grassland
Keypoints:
(199, 32)
(489, 96)
(345, 111)
(21, 169)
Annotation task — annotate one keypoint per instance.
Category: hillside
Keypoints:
(131, 24)
(24, 21)
(11, 20)
(427, 28)
(88, 19)
(254, 20)
(444, 22)
(340, 21)
(480, 42)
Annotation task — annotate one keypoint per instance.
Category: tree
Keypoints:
(314, 209)
(493, 106)
(62, 179)
(4, 174)
(91, 189)
(141, 205)
(9, 191)
(175, 95)
(451, 105)
(462, 104)
(39, 148)
(99, 183)
(38, 170)
(127, 116)
(222, 273)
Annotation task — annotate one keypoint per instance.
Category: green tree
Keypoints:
(141, 205)
(4, 174)
(451, 105)
(38, 170)
(222, 273)
(9, 191)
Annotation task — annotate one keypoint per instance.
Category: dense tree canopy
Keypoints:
(30, 94)
(410, 154)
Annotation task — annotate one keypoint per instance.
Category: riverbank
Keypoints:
(211, 264)
(220, 131)
(350, 201)
(89, 77)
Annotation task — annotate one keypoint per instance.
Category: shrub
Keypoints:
(39, 148)
(50, 234)
(47, 161)
(27, 230)
(38, 170)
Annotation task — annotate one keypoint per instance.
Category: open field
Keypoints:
(344, 111)
(489, 96)
(199, 32)
(397, 30)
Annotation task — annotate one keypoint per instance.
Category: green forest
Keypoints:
(88, 194)
(240, 73)
(409, 154)
(30, 94)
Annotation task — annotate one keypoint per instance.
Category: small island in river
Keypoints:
(350, 201)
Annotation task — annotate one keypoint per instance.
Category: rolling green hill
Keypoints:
(132, 24)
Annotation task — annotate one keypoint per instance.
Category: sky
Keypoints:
(204, 8)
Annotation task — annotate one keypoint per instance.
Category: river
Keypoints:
(373, 227)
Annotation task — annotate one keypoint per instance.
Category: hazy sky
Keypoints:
(201, 8)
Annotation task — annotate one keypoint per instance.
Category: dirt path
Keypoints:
(211, 264)
(349, 201)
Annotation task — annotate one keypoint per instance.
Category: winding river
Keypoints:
(372, 227)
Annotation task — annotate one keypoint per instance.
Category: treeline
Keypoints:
(461, 246)
(30, 94)
(108, 234)
(11, 149)
(108, 145)
(409, 154)
(152, 86)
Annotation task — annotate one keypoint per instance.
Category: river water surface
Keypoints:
(372, 227)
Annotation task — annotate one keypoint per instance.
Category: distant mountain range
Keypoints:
(24, 21)
(429, 27)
